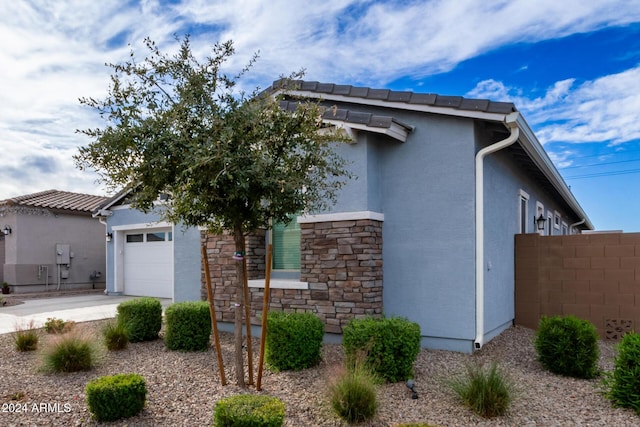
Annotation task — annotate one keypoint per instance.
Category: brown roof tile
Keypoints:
(391, 96)
(54, 199)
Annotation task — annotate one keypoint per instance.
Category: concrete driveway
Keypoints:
(79, 308)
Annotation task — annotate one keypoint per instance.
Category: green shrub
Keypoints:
(142, 317)
(391, 344)
(249, 410)
(353, 394)
(568, 346)
(487, 392)
(294, 340)
(57, 326)
(115, 336)
(26, 339)
(114, 397)
(622, 386)
(70, 352)
(188, 326)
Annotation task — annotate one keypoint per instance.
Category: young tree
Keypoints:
(228, 161)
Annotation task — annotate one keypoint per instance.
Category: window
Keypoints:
(286, 245)
(155, 237)
(556, 220)
(135, 238)
(149, 237)
(524, 205)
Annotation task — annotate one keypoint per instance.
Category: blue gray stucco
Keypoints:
(425, 187)
(186, 253)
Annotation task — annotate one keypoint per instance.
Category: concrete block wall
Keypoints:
(593, 276)
(340, 260)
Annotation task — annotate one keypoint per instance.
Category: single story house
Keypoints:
(50, 241)
(426, 231)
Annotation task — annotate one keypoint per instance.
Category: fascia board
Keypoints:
(395, 131)
(447, 111)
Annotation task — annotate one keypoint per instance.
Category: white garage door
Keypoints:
(148, 263)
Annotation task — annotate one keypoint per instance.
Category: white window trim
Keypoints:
(523, 195)
(557, 220)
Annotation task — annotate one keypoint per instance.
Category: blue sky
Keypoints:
(571, 67)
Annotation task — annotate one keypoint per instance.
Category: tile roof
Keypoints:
(368, 119)
(54, 199)
(366, 93)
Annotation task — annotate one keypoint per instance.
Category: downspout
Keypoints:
(575, 224)
(510, 122)
(102, 218)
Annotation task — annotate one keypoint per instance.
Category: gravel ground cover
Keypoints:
(183, 387)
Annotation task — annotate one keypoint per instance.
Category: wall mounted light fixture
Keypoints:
(540, 221)
(6, 230)
(108, 237)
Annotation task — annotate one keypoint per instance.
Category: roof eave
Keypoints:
(528, 140)
(395, 130)
(538, 155)
(447, 111)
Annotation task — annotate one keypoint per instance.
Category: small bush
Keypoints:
(488, 393)
(249, 410)
(622, 386)
(114, 397)
(70, 352)
(26, 339)
(568, 346)
(188, 326)
(57, 326)
(115, 336)
(294, 340)
(353, 394)
(391, 345)
(142, 318)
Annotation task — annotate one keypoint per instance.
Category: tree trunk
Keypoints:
(238, 237)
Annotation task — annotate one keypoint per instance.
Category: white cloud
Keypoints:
(54, 52)
(602, 110)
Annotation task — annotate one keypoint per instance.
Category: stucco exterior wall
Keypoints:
(504, 183)
(427, 190)
(186, 250)
(30, 258)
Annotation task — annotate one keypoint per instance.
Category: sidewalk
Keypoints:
(79, 308)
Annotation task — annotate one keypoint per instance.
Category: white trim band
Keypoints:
(341, 216)
(279, 284)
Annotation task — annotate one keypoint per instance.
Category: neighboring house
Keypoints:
(426, 231)
(50, 241)
(147, 256)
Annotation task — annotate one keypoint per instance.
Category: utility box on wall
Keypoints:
(63, 253)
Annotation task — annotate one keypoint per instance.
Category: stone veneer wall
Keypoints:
(340, 260)
(222, 268)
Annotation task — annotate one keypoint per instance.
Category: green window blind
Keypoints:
(286, 246)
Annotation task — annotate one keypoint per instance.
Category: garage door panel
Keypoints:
(148, 267)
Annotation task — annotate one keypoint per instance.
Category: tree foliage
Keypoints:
(227, 160)
(178, 126)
